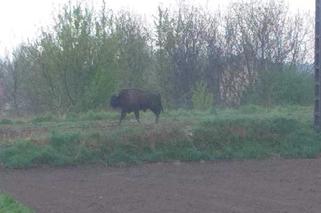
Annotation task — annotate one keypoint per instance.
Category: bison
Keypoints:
(134, 100)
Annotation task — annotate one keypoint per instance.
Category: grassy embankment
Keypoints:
(250, 132)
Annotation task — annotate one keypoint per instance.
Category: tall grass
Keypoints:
(257, 137)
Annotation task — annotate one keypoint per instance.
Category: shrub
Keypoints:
(202, 99)
(281, 87)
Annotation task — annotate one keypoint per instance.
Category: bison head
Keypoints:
(114, 101)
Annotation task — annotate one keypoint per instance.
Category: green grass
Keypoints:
(44, 118)
(248, 136)
(6, 122)
(9, 205)
(250, 132)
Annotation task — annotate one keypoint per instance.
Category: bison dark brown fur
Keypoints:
(134, 100)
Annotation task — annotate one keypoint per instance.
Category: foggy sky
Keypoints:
(20, 20)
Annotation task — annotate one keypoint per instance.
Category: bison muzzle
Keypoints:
(134, 100)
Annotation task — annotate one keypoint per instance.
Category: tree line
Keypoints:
(252, 53)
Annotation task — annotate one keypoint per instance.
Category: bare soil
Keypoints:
(215, 187)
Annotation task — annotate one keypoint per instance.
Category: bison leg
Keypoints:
(137, 116)
(122, 116)
(157, 117)
(156, 112)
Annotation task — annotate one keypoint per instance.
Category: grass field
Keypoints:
(250, 132)
(8, 204)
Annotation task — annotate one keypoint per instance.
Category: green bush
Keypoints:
(281, 87)
(202, 99)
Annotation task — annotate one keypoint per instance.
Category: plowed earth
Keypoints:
(215, 187)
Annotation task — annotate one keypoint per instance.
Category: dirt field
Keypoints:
(238, 186)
